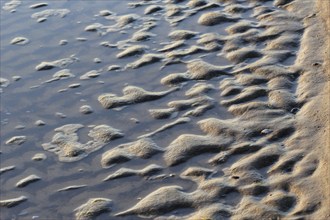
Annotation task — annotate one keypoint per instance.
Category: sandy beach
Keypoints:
(165, 109)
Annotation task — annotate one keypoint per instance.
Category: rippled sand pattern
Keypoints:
(162, 109)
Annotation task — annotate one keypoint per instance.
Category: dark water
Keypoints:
(23, 104)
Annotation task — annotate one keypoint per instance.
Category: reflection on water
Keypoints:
(29, 98)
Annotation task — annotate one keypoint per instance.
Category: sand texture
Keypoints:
(165, 109)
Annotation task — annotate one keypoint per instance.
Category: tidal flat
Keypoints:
(164, 109)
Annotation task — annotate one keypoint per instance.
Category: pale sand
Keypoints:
(313, 123)
(314, 119)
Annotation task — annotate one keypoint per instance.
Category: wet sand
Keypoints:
(176, 109)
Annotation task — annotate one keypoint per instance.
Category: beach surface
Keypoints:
(165, 109)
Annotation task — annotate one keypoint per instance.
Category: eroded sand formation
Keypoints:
(66, 143)
(233, 124)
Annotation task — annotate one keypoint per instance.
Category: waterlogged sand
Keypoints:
(176, 109)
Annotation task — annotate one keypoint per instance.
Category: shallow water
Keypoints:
(31, 98)
(21, 105)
